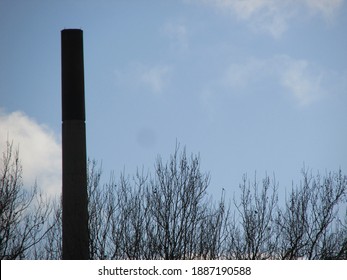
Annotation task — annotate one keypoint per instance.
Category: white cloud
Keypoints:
(241, 74)
(303, 80)
(273, 16)
(177, 33)
(154, 78)
(39, 150)
(327, 8)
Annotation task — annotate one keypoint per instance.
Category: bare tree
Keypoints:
(101, 207)
(306, 227)
(181, 212)
(50, 248)
(309, 224)
(252, 235)
(164, 216)
(169, 215)
(23, 214)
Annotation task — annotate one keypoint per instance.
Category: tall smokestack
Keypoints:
(75, 208)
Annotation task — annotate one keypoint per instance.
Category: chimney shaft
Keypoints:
(75, 206)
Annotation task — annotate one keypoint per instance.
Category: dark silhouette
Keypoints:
(75, 211)
(169, 215)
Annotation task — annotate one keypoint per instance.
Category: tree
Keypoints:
(309, 224)
(306, 227)
(169, 215)
(252, 235)
(23, 214)
(185, 223)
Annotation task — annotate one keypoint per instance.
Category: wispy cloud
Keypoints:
(178, 34)
(304, 81)
(326, 8)
(39, 150)
(155, 78)
(273, 16)
(240, 75)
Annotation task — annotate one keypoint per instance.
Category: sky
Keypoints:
(252, 86)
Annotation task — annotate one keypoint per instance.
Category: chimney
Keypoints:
(75, 205)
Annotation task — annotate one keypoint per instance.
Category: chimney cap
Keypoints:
(71, 30)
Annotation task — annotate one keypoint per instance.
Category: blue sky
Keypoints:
(252, 86)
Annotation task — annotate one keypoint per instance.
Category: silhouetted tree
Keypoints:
(186, 224)
(51, 245)
(23, 214)
(168, 215)
(252, 235)
(307, 227)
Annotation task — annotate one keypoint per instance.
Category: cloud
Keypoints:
(273, 16)
(240, 74)
(326, 8)
(177, 33)
(155, 78)
(304, 81)
(39, 150)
